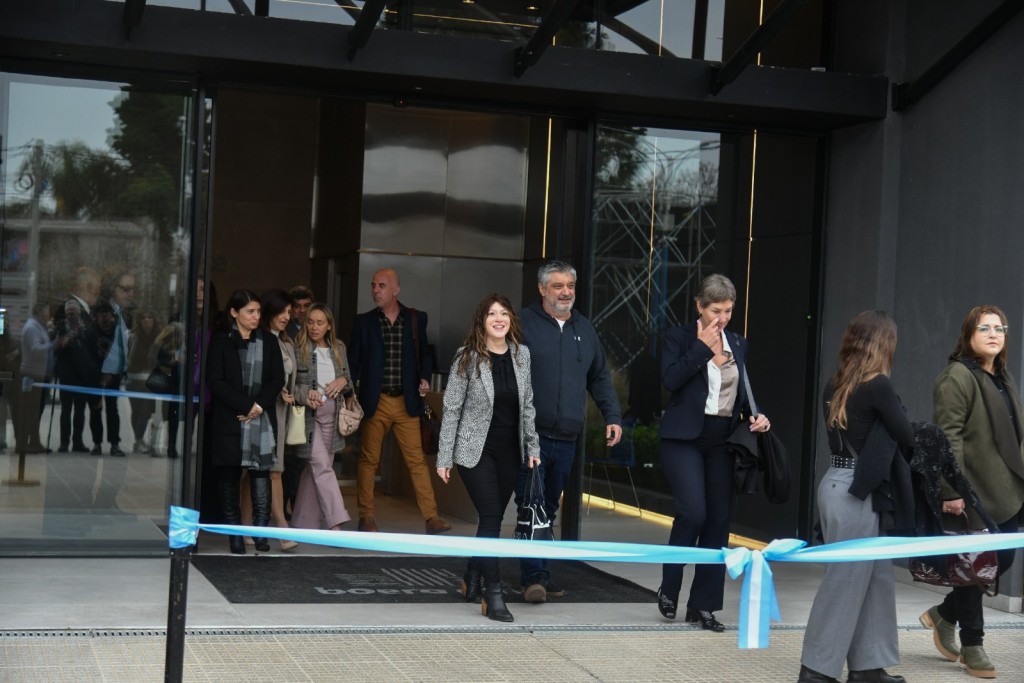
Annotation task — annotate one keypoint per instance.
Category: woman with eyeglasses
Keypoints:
(978, 406)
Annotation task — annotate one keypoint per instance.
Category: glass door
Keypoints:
(96, 218)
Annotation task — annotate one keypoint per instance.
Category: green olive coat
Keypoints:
(997, 475)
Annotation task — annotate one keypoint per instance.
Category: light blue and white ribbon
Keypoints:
(95, 391)
(758, 602)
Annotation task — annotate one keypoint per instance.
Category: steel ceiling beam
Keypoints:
(905, 95)
(131, 15)
(241, 9)
(731, 69)
(527, 55)
(367, 21)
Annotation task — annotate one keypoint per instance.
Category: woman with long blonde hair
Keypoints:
(322, 379)
(853, 618)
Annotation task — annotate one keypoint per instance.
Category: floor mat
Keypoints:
(254, 579)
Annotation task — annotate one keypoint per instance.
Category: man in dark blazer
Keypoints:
(391, 384)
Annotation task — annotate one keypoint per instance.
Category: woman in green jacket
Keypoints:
(978, 406)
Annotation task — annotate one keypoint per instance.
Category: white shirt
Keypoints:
(324, 366)
(715, 380)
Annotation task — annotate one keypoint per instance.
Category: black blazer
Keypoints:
(366, 360)
(224, 380)
(684, 372)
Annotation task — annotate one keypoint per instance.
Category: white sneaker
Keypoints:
(143, 447)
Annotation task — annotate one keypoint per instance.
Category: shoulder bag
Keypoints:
(296, 435)
(159, 382)
(759, 452)
(349, 418)
(430, 424)
(532, 523)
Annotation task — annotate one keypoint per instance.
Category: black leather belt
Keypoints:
(392, 392)
(844, 462)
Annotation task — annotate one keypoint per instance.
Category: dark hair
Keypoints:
(300, 292)
(970, 326)
(476, 340)
(865, 352)
(274, 301)
(239, 298)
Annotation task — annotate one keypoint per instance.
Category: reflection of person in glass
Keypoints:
(71, 321)
(702, 366)
(68, 355)
(35, 361)
(488, 432)
(96, 345)
(140, 364)
(121, 293)
(170, 349)
(978, 406)
(245, 374)
(853, 618)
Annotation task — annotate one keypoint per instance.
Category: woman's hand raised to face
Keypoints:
(711, 335)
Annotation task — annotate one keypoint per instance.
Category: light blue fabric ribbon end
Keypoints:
(183, 527)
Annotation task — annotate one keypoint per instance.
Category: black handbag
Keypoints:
(430, 424)
(759, 452)
(980, 568)
(532, 523)
(159, 382)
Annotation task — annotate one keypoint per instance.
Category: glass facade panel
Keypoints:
(657, 232)
(96, 223)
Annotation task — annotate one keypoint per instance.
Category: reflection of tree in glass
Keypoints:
(140, 176)
(619, 156)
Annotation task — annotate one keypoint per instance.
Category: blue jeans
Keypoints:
(556, 456)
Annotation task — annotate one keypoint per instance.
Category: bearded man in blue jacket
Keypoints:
(567, 362)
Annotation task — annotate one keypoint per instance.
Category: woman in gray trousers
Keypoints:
(853, 618)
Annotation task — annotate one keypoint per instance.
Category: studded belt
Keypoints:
(843, 462)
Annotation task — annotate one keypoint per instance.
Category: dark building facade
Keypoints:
(828, 156)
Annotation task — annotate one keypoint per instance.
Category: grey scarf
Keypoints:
(258, 451)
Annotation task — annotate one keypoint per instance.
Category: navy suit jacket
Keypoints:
(684, 372)
(366, 359)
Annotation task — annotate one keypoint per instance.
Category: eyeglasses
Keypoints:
(998, 329)
(129, 288)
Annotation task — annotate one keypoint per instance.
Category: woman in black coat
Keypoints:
(702, 366)
(244, 373)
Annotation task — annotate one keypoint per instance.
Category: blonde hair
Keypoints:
(305, 346)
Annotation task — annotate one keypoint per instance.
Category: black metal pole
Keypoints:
(176, 602)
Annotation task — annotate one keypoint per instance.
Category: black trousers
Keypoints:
(700, 477)
(962, 605)
(490, 485)
(72, 403)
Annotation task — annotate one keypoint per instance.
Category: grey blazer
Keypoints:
(306, 379)
(469, 404)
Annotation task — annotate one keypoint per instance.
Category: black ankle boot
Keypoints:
(874, 676)
(472, 585)
(237, 545)
(493, 604)
(259, 487)
(812, 676)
